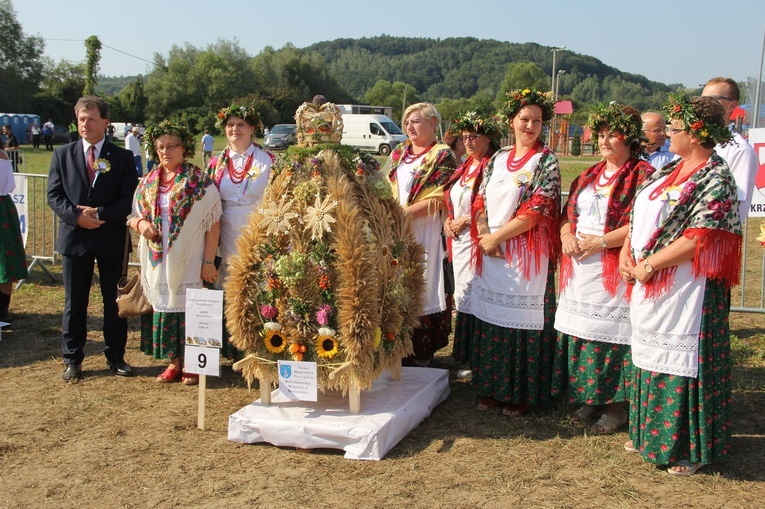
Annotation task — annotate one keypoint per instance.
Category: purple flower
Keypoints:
(322, 315)
(689, 188)
(268, 311)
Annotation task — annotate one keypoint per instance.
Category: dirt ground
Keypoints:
(130, 442)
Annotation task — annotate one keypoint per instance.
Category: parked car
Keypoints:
(281, 136)
(60, 134)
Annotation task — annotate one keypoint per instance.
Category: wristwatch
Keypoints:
(209, 262)
(603, 242)
(648, 268)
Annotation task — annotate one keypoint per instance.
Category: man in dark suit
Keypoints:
(91, 188)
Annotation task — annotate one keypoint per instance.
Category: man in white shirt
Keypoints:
(739, 154)
(133, 144)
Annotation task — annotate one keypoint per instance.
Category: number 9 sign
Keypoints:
(201, 360)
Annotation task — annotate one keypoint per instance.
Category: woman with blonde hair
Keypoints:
(419, 169)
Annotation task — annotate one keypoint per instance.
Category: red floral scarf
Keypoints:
(620, 201)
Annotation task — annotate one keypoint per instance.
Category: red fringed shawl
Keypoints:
(707, 210)
(456, 176)
(540, 203)
(620, 201)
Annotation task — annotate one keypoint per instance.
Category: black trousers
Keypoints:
(78, 278)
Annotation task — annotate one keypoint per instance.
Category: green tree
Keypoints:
(133, 100)
(398, 95)
(62, 85)
(21, 62)
(92, 64)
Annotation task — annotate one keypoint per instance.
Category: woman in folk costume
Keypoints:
(480, 135)
(240, 173)
(593, 359)
(177, 211)
(515, 237)
(419, 169)
(683, 254)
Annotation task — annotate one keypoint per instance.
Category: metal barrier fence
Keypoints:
(42, 223)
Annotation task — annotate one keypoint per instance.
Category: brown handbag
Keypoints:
(130, 298)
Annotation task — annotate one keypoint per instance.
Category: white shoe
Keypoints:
(464, 374)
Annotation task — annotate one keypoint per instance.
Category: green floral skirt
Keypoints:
(13, 260)
(676, 418)
(162, 335)
(464, 330)
(592, 372)
(516, 365)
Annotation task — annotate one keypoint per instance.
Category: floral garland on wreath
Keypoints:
(247, 113)
(169, 128)
(610, 116)
(679, 107)
(517, 99)
(482, 124)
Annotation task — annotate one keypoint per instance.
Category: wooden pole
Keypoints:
(201, 402)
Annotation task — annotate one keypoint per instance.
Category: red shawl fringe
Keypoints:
(717, 256)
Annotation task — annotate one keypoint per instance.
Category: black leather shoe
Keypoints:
(120, 368)
(71, 372)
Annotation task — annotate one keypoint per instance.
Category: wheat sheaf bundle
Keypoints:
(327, 270)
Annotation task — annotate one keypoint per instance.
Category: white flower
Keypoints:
(277, 217)
(317, 218)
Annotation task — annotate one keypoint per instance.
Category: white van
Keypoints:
(373, 133)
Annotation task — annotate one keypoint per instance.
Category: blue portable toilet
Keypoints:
(19, 123)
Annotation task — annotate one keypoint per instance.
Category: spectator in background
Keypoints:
(657, 144)
(133, 144)
(47, 132)
(739, 154)
(110, 130)
(207, 147)
(73, 134)
(12, 147)
(36, 133)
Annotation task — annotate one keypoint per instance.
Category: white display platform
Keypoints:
(389, 411)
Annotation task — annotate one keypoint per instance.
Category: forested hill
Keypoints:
(462, 67)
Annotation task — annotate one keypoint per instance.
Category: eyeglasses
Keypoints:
(470, 137)
(718, 97)
(167, 148)
(671, 130)
(655, 130)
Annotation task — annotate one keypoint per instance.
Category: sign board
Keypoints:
(297, 380)
(20, 199)
(204, 331)
(757, 140)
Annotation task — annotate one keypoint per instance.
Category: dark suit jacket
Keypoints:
(111, 194)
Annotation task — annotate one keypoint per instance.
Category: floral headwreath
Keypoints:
(517, 99)
(611, 116)
(483, 124)
(244, 112)
(679, 107)
(168, 127)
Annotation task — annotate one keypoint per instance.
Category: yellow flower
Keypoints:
(326, 343)
(274, 340)
(526, 91)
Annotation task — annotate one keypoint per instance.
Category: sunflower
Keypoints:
(326, 343)
(274, 340)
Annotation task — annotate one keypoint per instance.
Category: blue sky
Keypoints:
(671, 41)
